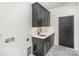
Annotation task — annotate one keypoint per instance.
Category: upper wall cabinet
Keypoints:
(40, 16)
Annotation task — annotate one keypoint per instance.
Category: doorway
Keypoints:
(66, 31)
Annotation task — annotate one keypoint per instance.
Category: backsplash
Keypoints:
(34, 30)
(44, 29)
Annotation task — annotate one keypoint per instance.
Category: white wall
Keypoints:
(66, 10)
(15, 21)
(78, 22)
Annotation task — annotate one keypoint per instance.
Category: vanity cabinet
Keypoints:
(40, 16)
(42, 46)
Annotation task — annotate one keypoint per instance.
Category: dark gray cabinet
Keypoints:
(40, 16)
(42, 46)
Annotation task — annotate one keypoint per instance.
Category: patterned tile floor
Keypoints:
(62, 51)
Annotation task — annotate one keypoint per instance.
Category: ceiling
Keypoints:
(52, 5)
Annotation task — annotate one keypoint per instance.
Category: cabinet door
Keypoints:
(51, 40)
(42, 16)
(45, 18)
(39, 12)
(48, 18)
(40, 47)
(34, 16)
(48, 43)
(45, 46)
(39, 16)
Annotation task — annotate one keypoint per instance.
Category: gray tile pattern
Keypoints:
(62, 51)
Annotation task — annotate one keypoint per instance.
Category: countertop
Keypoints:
(43, 37)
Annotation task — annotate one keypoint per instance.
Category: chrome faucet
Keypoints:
(39, 30)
